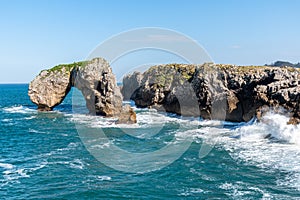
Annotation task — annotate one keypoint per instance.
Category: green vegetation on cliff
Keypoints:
(163, 75)
(68, 67)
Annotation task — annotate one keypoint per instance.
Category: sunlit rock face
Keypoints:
(93, 78)
(216, 91)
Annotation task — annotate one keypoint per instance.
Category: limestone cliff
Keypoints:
(215, 91)
(93, 78)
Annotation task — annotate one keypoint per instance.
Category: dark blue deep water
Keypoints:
(43, 155)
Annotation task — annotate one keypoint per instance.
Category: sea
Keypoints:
(69, 154)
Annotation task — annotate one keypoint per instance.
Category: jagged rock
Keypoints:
(98, 85)
(130, 84)
(50, 87)
(93, 78)
(215, 91)
(127, 115)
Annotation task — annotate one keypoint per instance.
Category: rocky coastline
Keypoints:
(216, 91)
(211, 91)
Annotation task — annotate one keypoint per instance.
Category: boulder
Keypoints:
(126, 116)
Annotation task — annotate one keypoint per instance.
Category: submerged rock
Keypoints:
(93, 78)
(215, 91)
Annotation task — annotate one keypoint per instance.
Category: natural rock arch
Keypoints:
(93, 78)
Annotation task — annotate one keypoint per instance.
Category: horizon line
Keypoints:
(13, 83)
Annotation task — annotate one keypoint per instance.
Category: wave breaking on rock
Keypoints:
(216, 91)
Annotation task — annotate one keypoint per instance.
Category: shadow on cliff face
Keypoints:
(180, 89)
(222, 92)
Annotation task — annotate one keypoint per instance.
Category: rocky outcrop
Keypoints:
(215, 91)
(50, 87)
(284, 64)
(130, 83)
(93, 78)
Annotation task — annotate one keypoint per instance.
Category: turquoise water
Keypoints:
(42, 155)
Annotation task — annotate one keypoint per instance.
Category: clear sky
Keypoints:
(40, 34)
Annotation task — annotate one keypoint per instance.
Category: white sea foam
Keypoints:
(239, 190)
(31, 130)
(77, 164)
(6, 165)
(278, 128)
(93, 121)
(7, 120)
(18, 109)
(14, 174)
(101, 146)
(146, 118)
(270, 144)
(29, 118)
(38, 166)
(191, 192)
(104, 178)
(71, 146)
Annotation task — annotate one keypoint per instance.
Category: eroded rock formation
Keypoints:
(214, 91)
(93, 78)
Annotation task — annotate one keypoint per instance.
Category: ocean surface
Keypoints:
(46, 155)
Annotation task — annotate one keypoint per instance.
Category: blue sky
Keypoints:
(40, 34)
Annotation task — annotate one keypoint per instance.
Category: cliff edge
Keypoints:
(216, 91)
